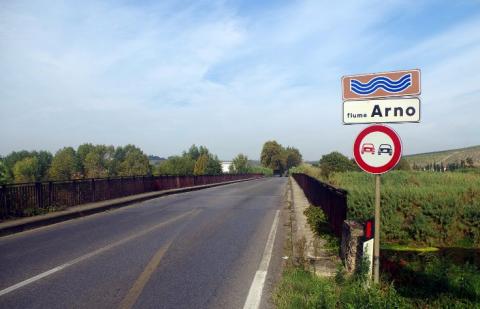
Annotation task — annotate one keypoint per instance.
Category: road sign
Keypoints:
(380, 85)
(377, 149)
(381, 111)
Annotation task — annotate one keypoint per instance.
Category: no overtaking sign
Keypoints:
(377, 149)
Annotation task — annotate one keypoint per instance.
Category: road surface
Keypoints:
(204, 249)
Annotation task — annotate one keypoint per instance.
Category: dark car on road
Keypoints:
(385, 148)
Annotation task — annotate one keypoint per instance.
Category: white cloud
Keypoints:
(166, 76)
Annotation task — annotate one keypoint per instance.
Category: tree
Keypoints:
(240, 164)
(203, 150)
(194, 161)
(82, 152)
(13, 158)
(335, 162)
(293, 157)
(94, 166)
(26, 170)
(469, 161)
(64, 165)
(118, 157)
(201, 165)
(3, 173)
(214, 167)
(176, 165)
(208, 164)
(272, 156)
(134, 163)
(97, 162)
(192, 153)
(44, 161)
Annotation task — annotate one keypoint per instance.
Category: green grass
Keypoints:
(318, 223)
(418, 208)
(301, 289)
(427, 282)
(398, 247)
(436, 284)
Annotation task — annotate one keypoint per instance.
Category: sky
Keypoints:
(229, 74)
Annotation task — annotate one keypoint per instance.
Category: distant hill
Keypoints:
(446, 156)
(154, 160)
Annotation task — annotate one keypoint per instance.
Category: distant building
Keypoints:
(226, 166)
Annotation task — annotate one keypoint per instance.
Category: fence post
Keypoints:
(121, 185)
(39, 194)
(50, 193)
(92, 189)
(3, 203)
(108, 188)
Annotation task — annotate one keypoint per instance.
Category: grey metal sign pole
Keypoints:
(376, 241)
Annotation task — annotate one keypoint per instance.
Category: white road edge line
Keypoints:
(91, 254)
(256, 289)
(33, 279)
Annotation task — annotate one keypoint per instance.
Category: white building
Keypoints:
(226, 166)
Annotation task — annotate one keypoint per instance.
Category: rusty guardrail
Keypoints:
(333, 201)
(18, 200)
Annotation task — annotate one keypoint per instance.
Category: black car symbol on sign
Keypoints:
(385, 148)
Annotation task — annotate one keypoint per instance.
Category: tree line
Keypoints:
(441, 167)
(98, 161)
(87, 161)
(200, 161)
(336, 162)
(194, 161)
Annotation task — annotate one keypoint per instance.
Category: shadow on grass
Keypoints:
(431, 277)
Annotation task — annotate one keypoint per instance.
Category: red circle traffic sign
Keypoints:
(377, 149)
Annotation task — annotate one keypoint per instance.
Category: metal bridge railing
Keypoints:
(333, 201)
(18, 200)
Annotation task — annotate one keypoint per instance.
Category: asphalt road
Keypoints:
(200, 249)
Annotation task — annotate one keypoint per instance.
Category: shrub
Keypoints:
(335, 162)
(440, 209)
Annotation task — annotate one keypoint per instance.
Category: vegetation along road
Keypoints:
(209, 248)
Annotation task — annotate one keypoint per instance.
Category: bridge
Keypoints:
(219, 247)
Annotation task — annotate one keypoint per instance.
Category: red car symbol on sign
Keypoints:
(368, 147)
